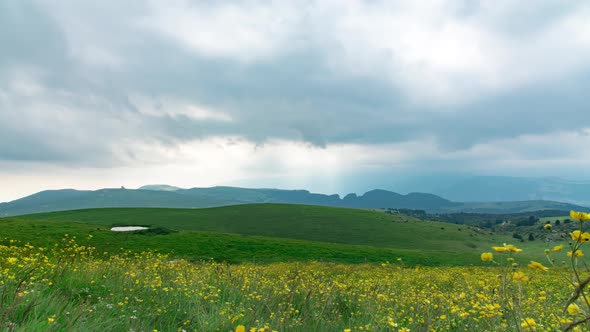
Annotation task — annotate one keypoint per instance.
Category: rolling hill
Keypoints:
(269, 232)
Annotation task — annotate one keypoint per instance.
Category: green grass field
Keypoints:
(265, 233)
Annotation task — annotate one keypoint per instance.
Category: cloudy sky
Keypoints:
(332, 96)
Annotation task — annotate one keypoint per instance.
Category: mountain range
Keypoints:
(503, 188)
(174, 197)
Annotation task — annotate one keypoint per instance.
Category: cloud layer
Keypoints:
(291, 91)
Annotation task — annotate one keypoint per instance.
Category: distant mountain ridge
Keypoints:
(504, 188)
(174, 197)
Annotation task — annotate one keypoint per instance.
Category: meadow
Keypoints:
(67, 272)
(71, 286)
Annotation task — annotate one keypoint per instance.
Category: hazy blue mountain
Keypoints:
(69, 199)
(379, 198)
(58, 200)
(499, 188)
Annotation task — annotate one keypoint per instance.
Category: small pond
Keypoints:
(127, 228)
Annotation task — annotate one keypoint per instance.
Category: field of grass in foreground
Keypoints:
(70, 286)
(272, 232)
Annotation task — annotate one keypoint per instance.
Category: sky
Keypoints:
(333, 96)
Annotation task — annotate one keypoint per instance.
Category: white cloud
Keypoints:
(439, 51)
(245, 31)
(96, 56)
(436, 54)
(172, 107)
(23, 82)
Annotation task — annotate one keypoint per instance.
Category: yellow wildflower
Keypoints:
(391, 322)
(558, 248)
(512, 248)
(12, 260)
(578, 236)
(538, 266)
(573, 309)
(580, 216)
(520, 276)
(528, 322)
(499, 249)
(240, 328)
(579, 253)
(487, 257)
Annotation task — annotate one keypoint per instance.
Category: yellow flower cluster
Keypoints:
(578, 236)
(538, 266)
(507, 248)
(520, 276)
(578, 253)
(573, 309)
(579, 216)
(528, 323)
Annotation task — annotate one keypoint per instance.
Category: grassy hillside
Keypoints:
(232, 248)
(271, 232)
(301, 222)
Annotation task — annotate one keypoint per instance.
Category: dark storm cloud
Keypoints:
(537, 110)
(70, 72)
(29, 36)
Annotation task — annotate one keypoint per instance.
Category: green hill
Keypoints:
(272, 232)
(302, 222)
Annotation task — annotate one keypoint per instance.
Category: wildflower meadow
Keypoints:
(71, 286)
